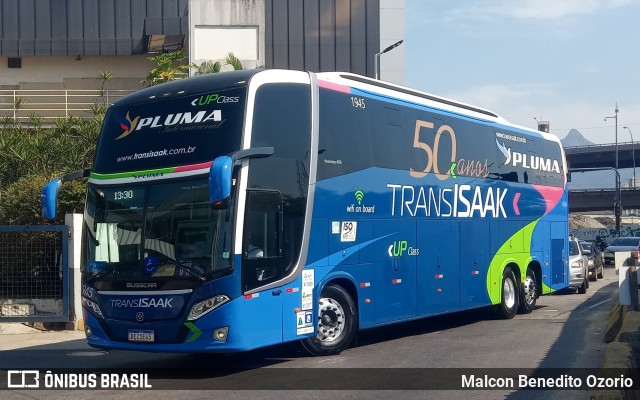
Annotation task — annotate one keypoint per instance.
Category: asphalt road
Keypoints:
(563, 335)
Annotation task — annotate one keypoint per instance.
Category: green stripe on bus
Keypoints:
(95, 175)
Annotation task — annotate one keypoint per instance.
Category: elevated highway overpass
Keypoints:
(602, 156)
(602, 199)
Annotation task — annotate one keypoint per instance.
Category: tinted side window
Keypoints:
(282, 119)
(360, 130)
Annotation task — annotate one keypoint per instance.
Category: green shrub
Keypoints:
(32, 156)
(20, 201)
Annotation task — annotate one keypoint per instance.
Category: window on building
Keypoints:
(14, 62)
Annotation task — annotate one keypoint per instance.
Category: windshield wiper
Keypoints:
(111, 268)
(189, 270)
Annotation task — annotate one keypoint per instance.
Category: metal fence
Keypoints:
(22, 105)
(34, 273)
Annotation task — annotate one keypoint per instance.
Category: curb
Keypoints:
(622, 334)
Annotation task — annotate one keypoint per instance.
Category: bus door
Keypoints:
(438, 266)
(475, 258)
(559, 258)
(395, 266)
(262, 264)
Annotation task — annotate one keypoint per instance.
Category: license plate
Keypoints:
(140, 335)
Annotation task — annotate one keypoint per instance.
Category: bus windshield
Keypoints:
(156, 230)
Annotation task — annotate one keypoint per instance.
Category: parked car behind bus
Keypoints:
(620, 244)
(595, 264)
(578, 267)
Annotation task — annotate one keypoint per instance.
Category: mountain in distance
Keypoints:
(593, 179)
(575, 138)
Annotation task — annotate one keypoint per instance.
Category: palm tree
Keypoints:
(211, 67)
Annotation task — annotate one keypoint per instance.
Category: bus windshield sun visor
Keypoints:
(220, 174)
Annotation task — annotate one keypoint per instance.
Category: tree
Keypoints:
(234, 61)
(211, 67)
(169, 67)
(207, 67)
(32, 155)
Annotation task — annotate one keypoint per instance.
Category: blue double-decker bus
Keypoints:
(243, 209)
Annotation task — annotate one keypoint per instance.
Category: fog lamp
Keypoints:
(221, 334)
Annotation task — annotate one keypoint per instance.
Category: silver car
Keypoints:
(578, 267)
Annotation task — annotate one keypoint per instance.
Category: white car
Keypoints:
(620, 244)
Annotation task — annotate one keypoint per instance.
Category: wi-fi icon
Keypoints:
(359, 195)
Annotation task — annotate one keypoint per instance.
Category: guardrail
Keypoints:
(21, 105)
(595, 146)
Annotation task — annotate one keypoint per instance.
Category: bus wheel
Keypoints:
(337, 318)
(528, 295)
(508, 306)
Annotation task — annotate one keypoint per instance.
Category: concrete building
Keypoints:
(65, 44)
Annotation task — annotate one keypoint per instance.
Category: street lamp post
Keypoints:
(633, 155)
(376, 61)
(617, 205)
(616, 118)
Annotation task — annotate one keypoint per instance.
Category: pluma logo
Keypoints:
(128, 125)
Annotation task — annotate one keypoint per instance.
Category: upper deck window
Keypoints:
(185, 130)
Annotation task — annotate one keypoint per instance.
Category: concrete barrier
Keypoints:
(623, 335)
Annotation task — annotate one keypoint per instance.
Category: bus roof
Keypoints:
(192, 85)
(430, 100)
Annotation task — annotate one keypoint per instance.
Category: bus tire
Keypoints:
(337, 322)
(509, 295)
(528, 295)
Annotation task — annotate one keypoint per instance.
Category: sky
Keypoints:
(565, 61)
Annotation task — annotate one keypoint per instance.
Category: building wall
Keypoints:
(86, 27)
(322, 35)
(336, 35)
(66, 43)
(392, 29)
(67, 72)
(218, 27)
(314, 35)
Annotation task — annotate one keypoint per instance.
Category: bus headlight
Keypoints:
(208, 305)
(92, 306)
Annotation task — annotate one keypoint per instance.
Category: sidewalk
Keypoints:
(16, 335)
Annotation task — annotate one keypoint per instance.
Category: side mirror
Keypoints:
(220, 181)
(49, 199)
(221, 172)
(49, 194)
